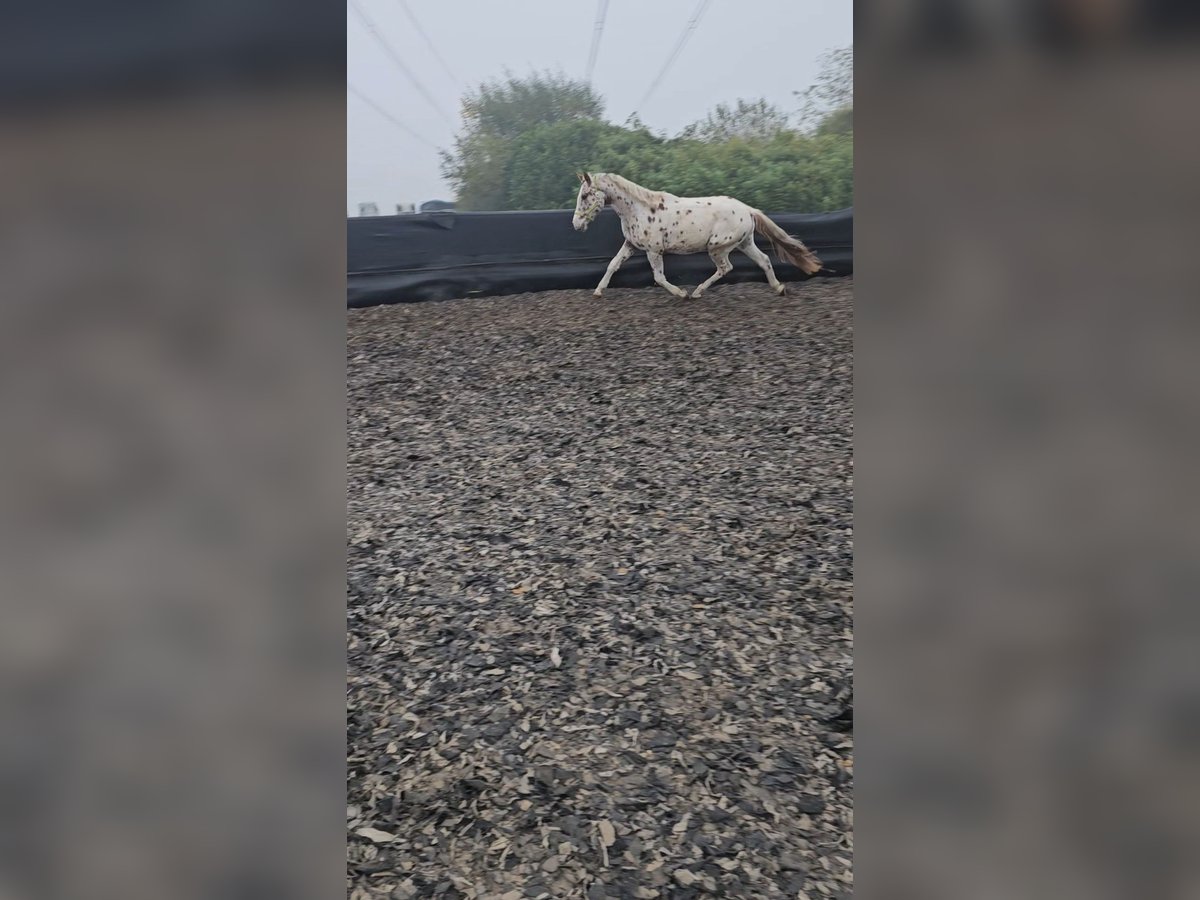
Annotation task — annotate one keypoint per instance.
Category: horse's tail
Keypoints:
(786, 247)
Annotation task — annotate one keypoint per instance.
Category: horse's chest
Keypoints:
(640, 232)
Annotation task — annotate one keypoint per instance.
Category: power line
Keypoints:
(601, 13)
(400, 64)
(432, 49)
(701, 7)
(387, 115)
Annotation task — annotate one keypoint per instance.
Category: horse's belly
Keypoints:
(696, 244)
(687, 240)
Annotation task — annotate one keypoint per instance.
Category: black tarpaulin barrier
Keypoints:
(442, 255)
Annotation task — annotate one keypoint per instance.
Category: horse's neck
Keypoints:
(624, 202)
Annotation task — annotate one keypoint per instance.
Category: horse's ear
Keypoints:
(587, 179)
(579, 175)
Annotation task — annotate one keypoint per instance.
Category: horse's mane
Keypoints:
(634, 190)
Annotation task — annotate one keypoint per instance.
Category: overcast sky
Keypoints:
(740, 49)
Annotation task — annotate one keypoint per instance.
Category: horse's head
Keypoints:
(589, 203)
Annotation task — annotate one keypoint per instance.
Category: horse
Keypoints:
(656, 222)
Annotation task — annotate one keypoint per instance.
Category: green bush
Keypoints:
(787, 172)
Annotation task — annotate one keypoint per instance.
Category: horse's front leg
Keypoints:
(656, 263)
(623, 254)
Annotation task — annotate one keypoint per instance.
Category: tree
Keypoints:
(757, 120)
(840, 121)
(495, 116)
(832, 93)
(523, 140)
(541, 170)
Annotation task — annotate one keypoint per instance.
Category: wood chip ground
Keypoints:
(600, 603)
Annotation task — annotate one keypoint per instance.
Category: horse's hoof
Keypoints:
(597, 294)
(782, 292)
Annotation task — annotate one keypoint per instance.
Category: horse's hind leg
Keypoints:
(656, 263)
(720, 258)
(751, 250)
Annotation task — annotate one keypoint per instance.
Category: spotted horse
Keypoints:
(656, 222)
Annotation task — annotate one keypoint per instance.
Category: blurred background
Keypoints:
(172, 250)
(698, 98)
(1025, 403)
